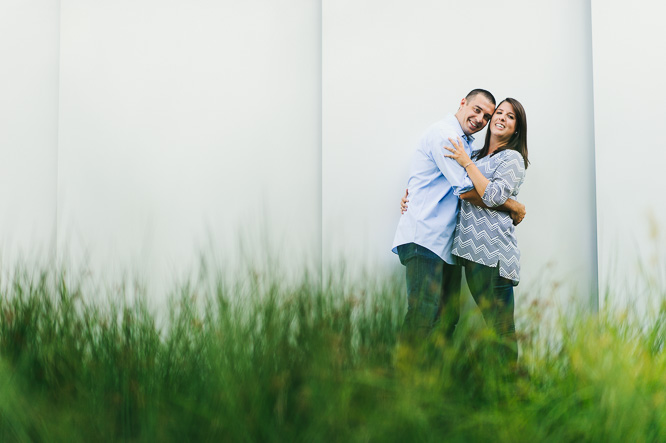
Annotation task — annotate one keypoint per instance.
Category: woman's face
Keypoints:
(503, 122)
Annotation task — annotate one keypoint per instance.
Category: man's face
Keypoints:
(474, 114)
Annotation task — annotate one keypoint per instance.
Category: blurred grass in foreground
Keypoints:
(259, 360)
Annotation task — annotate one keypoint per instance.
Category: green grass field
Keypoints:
(263, 360)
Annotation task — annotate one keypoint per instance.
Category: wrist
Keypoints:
(465, 167)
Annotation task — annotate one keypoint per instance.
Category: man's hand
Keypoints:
(403, 203)
(517, 212)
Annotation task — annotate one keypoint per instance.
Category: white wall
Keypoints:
(28, 129)
(159, 129)
(390, 69)
(185, 126)
(629, 96)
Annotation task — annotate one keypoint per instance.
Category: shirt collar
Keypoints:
(459, 129)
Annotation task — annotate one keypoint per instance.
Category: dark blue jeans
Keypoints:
(433, 292)
(493, 295)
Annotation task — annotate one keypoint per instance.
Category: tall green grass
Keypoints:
(257, 359)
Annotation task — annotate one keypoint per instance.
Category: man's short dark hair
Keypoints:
(483, 92)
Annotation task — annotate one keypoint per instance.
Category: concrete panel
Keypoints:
(186, 127)
(390, 69)
(29, 42)
(629, 69)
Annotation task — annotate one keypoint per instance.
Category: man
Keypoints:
(424, 236)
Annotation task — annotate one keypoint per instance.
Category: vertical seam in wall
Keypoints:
(321, 144)
(595, 238)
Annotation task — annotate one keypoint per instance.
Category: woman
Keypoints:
(484, 239)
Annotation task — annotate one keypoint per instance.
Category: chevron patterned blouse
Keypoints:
(486, 236)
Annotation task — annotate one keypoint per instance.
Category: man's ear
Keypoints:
(462, 103)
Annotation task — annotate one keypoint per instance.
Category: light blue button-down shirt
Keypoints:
(434, 185)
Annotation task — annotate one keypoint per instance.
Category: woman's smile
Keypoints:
(504, 120)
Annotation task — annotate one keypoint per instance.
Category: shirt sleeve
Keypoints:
(454, 173)
(506, 179)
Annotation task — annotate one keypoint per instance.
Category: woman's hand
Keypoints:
(458, 153)
(403, 202)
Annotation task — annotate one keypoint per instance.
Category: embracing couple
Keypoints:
(462, 214)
